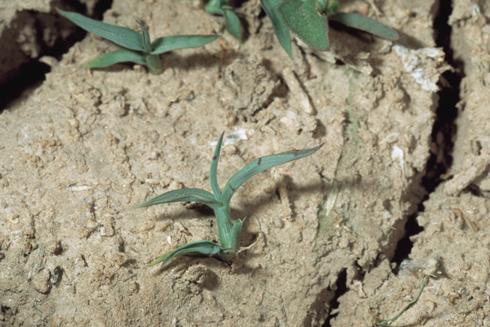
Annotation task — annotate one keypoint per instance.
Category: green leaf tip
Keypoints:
(259, 165)
(271, 8)
(213, 173)
(366, 24)
(206, 248)
(183, 195)
(121, 36)
(176, 42)
(232, 22)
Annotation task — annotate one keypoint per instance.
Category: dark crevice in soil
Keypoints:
(33, 72)
(443, 131)
(340, 289)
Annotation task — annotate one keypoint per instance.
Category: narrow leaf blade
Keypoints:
(303, 18)
(182, 195)
(170, 43)
(259, 165)
(207, 248)
(115, 57)
(233, 24)
(213, 173)
(366, 24)
(271, 8)
(122, 36)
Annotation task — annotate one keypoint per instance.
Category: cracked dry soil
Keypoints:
(83, 147)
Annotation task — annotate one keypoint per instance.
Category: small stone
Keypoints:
(41, 283)
(56, 248)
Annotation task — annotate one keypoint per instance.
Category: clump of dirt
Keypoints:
(87, 146)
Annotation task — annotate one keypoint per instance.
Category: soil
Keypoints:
(322, 236)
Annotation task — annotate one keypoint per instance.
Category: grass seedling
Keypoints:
(136, 47)
(308, 19)
(223, 8)
(219, 201)
(388, 322)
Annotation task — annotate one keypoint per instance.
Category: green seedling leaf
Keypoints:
(170, 43)
(145, 36)
(183, 195)
(304, 19)
(116, 57)
(122, 36)
(213, 173)
(271, 8)
(228, 228)
(259, 165)
(207, 248)
(215, 7)
(366, 24)
(139, 48)
(233, 25)
(223, 8)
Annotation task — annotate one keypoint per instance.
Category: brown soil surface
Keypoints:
(85, 147)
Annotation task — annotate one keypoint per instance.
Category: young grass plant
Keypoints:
(136, 47)
(219, 201)
(308, 19)
(223, 8)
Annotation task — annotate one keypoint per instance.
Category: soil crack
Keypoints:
(443, 131)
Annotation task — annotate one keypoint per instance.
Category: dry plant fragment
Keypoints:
(219, 200)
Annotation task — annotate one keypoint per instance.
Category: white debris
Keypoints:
(398, 154)
(78, 188)
(233, 137)
(415, 63)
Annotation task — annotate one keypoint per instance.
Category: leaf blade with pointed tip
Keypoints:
(183, 195)
(170, 43)
(366, 24)
(271, 8)
(122, 36)
(303, 18)
(233, 24)
(213, 173)
(259, 165)
(207, 248)
(116, 57)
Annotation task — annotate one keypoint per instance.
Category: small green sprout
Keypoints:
(308, 19)
(136, 47)
(223, 8)
(219, 201)
(390, 321)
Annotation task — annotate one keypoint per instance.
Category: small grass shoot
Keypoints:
(136, 47)
(219, 201)
(390, 321)
(223, 8)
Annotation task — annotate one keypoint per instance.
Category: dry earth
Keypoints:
(82, 149)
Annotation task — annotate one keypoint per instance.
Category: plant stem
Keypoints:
(154, 64)
(226, 234)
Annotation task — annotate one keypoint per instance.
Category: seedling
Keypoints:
(219, 200)
(390, 321)
(136, 47)
(223, 8)
(308, 19)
